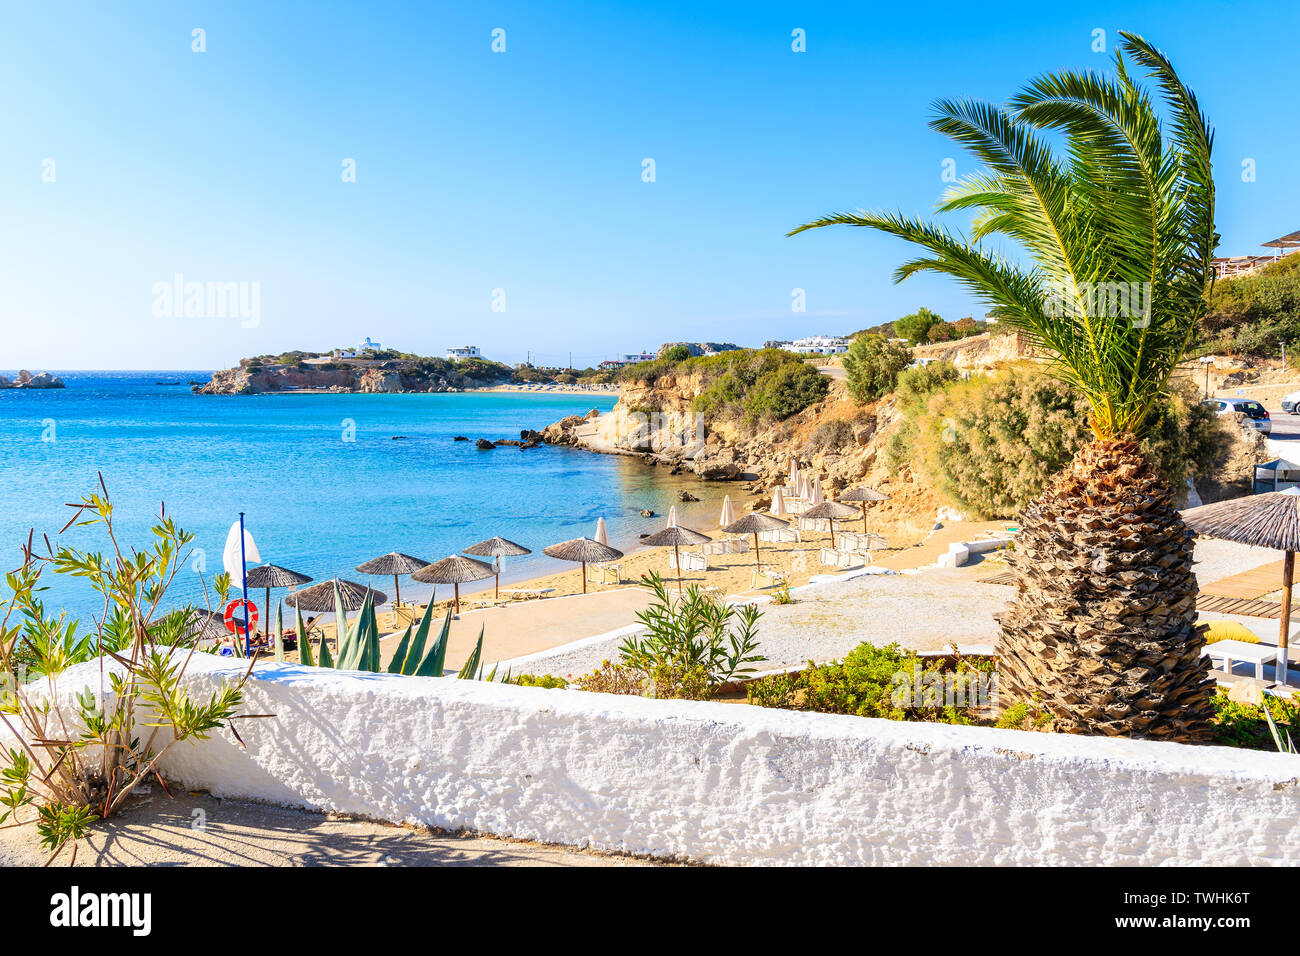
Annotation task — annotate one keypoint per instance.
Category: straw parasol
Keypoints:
(269, 576)
(583, 550)
(677, 537)
(320, 597)
(728, 515)
(862, 496)
(778, 502)
(753, 523)
(496, 549)
(1269, 520)
(454, 570)
(207, 626)
(393, 563)
(602, 532)
(830, 510)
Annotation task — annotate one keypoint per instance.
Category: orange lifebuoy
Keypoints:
(251, 610)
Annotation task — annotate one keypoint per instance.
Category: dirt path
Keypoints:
(198, 829)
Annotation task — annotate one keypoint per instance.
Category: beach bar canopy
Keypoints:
(1276, 475)
(1269, 520)
(753, 523)
(830, 510)
(394, 563)
(454, 570)
(584, 551)
(862, 496)
(320, 597)
(269, 576)
(496, 549)
(676, 536)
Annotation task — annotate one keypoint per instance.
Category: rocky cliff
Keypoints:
(394, 376)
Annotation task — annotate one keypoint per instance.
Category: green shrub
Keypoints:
(916, 327)
(1244, 725)
(1256, 314)
(539, 680)
(872, 365)
(678, 353)
(886, 682)
(990, 444)
(763, 385)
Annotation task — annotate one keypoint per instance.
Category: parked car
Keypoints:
(1256, 414)
(1290, 402)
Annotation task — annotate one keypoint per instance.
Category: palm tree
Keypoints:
(1119, 228)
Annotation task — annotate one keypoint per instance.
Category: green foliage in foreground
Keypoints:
(1257, 727)
(990, 444)
(886, 682)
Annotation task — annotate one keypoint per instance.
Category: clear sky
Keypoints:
(522, 171)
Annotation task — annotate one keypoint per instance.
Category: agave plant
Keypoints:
(358, 645)
(1118, 231)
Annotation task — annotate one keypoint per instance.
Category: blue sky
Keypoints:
(522, 170)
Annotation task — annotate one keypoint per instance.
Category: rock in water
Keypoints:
(484, 445)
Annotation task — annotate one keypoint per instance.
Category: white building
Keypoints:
(818, 345)
(468, 352)
(628, 358)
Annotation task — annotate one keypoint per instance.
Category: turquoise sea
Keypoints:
(326, 481)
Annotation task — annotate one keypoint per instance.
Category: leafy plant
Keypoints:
(690, 648)
(872, 365)
(78, 763)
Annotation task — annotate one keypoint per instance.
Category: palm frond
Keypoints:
(1119, 226)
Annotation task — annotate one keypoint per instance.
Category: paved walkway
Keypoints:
(202, 830)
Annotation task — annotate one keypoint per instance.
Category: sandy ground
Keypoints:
(515, 628)
(198, 829)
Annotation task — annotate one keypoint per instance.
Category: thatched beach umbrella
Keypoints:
(320, 597)
(862, 496)
(1269, 520)
(753, 523)
(830, 510)
(269, 576)
(454, 570)
(207, 626)
(395, 564)
(496, 549)
(677, 537)
(585, 551)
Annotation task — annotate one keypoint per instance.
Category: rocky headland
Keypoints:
(26, 379)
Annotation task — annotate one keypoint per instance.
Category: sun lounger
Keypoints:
(815, 524)
(780, 535)
(1229, 651)
(772, 576)
(835, 558)
(525, 594)
(857, 541)
(691, 561)
(601, 573)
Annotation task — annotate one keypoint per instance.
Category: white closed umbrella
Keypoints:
(728, 516)
(672, 517)
(602, 533)
(801, 489)
(794, 475)
(778, 502)
(815, 495)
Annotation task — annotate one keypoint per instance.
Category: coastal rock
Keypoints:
(686, 496)
(460, 438)
(647, 513)
(717, 471)
(509, 441)
(484, 445)
(26, 379)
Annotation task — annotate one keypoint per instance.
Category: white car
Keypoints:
(1256, 414)
(1290, 402)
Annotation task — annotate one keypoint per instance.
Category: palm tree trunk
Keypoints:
(1102, 633)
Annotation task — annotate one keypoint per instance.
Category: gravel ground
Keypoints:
(927, 612)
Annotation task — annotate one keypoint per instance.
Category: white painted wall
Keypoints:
(728, 783)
